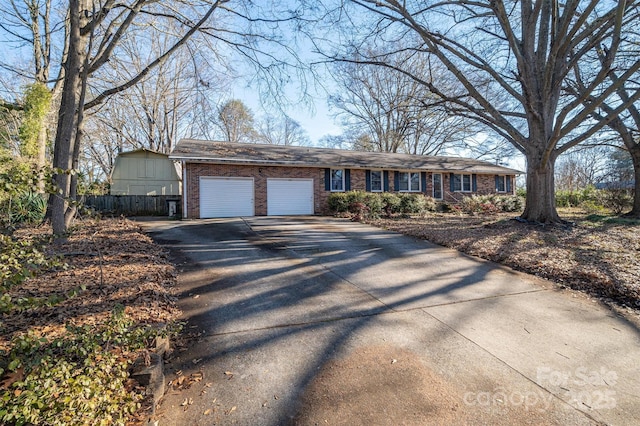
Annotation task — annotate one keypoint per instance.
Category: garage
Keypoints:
(289, 197)
(226, 197)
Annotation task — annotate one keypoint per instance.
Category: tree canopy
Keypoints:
(513, 61)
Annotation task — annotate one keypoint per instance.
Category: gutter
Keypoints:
(249, 162)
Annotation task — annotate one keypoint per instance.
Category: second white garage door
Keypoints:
(289, 197)
(226, 197)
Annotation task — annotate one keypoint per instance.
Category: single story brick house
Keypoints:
(222, 179)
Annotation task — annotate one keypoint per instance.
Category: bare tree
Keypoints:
(30, 23)
(626, 122)
(582, 167)
(96, 31)
(10, 119)
(282, 130)
(388, 111)
(512, 60)
(621, 167)
(154, 113)
(236, 121)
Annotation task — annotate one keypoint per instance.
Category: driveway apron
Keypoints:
(282, 305)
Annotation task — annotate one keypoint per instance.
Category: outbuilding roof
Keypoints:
(201, 151)
(139, 150)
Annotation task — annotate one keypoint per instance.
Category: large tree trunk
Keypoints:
(73, 188)
(635, 156)
(541, 199)
(70, 105)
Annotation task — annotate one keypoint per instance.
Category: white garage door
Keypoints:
(289, 196)
(226, 197)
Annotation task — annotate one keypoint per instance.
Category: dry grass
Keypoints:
(597, 255)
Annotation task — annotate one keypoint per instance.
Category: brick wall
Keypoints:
(260, 174)
(486, 184)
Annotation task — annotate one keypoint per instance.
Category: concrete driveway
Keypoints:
(313, 320)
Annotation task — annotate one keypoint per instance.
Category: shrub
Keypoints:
(491, 204)
(568, 198)
(471, 204)
(592, 207)
(362, 204)
(511, 203)
(27, 208)
(577, 197)
(359, 211)
(20, 259)
(338, 202)
(390, 203)
(372, 204)
(411, 203)
(617, 200)
(430, 204)
(375, 204)
(80, 378)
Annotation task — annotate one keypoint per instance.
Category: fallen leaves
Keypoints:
(110, 262)
(182, 382)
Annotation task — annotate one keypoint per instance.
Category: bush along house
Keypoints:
(222, 179)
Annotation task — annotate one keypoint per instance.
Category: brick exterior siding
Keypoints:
(260, 174)
(194, 171)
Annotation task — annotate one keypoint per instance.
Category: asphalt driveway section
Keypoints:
(282, 304)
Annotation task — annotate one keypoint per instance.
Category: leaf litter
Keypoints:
(110, 263)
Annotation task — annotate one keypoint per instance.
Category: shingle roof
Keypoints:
(191, 150)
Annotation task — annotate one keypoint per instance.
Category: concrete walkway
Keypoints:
(277, 300)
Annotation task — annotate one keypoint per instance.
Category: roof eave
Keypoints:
(275, 163)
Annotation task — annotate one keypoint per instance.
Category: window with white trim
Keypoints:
(376, 180)
(436, 179)
(337, 180)
(501, 183)
(462, 183)
(409, 181)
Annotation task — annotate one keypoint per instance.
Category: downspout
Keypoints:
(184, 189)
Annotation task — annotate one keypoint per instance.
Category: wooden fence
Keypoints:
(133, 205)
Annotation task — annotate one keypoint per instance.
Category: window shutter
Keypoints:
(497, 179)
(423, 178)
(451, 187)
(327, 179)
(385, 175)
(396, 181)
(367, 179)
(347, 179)
(474, 183)
(509, 186)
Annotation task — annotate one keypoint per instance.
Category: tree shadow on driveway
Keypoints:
(295, 312)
